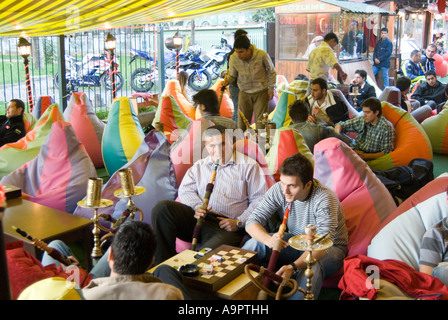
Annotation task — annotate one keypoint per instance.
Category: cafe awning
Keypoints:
(54, 17)
(358, 7)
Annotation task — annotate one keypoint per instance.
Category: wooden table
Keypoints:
(240, 288)
(46, 224)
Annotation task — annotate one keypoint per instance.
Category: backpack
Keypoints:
(404, 181)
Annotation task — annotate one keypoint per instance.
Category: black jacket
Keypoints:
(11, 129)
(425, 93)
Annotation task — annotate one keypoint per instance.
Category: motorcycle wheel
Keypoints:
(106, 81)
(137, 83)
(200, 81)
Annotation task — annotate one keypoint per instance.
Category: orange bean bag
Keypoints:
(172, 88)
(29, 120)
(411, 140)
(226, 107)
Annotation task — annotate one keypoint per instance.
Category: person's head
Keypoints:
(372, 110)
(296, 177)
(182, 77)
(132, 249)
(416, 56)
(298, 111)
(403, 83)
(242, 48)
(431, 50)
(384, 33)
(332, 39)
(439, 46)
(353, 26)
(206, 100)
(218, 143)
(240, 32)
(360, 77)
(319, 88)
(431, 77)
(15, 108)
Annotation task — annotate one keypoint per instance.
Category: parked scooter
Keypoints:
(92, 71)
(215, 59)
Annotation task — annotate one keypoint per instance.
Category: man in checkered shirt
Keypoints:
(375, 134)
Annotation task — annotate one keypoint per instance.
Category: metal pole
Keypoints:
(161, 61)
(28, 83)
(61, 71)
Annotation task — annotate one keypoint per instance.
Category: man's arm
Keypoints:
(271, 75)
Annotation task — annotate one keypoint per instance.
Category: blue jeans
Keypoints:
(322, 268)
(384, 73)
(441, 272)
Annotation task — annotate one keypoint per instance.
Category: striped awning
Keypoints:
(55, 17)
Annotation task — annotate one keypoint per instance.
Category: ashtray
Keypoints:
(189, 270)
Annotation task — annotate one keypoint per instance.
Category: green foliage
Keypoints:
(264, 15)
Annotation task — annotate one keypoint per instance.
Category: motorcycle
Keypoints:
(215, 59)
(92, 71)
(142, 79)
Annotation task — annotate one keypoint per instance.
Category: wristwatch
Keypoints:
(294, 267)
(240, 224)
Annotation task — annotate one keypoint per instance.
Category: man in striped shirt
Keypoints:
(375, 134)
(238, 187)
(309, 202)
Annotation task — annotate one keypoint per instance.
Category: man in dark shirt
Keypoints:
(12, 127)
(431, 92)
(365, 90)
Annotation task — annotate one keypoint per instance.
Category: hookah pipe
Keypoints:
(244, 119)
(208, 192)
(277, 247)
(223, 88)
(55, 254)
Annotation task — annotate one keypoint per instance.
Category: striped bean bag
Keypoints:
(280, 115)
(172, 88)
(437, 130)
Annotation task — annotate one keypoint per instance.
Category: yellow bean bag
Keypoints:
(172, 88)
(280, 115)
(437, 130)
(122, 135)
(411, 140)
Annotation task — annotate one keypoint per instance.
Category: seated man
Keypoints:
(309, 202)
(375, 134)
(325, 107)
(427, 60)
(413, 67)
(431, 92)
(238, 187)
(311, 132)
(404, 84)
(206, 103)
(121, 274)
(433, 251)
(12, 127)
(365, 90)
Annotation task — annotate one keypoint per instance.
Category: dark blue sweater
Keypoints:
(382, 52)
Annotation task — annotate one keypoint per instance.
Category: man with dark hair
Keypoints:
(238, 187)
(413, 67)
(311, 132)
(256, 77)
(308, 201)
(206, 104)
(325, 107)
(375, 134)
(12, 127)
(428, 58)
(365, 90)
(354, 41)
(431, 92)
(381, 56)
(322, 59)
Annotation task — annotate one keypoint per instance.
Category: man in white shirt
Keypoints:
(238, 187)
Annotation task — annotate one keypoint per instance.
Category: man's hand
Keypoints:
(270, 95)
(201, 213)
(228, 224)
(274, 238)
(377, 61)
(343, 76)
(311, 119)
(285, 271)
(338, 129)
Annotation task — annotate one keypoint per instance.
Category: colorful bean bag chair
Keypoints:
(29, 120)
(58, 176)
(399, 236)
(174, 120)
(299, 88)
(152, 169)
(189, 148)
(280, 115)
(88, 127)
(14, 155)
(122, 135)
(42, 104)
(172, 88)
(441, 66)
(411, 141)
(25, 270)
(437, 130)
(226, 107)
(286, 142)
(364, 198)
